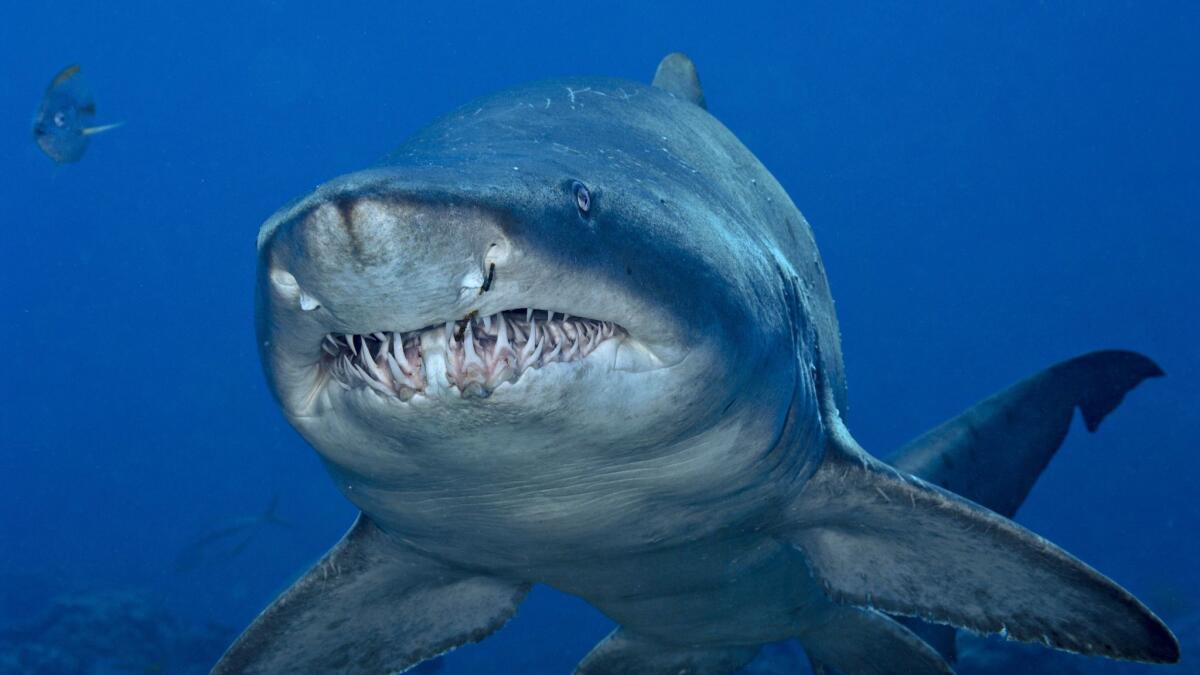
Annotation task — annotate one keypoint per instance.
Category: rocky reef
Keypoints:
(110, 632)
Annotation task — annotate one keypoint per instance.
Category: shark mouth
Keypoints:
(481, 353)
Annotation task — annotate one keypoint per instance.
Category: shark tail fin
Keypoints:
(876, 538)
(677, 74)
(994, 452)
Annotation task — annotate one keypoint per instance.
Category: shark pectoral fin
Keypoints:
(677, 74)
(370, 607)
(857, 641)
(624, 653)
(877, 538)
(993, 452)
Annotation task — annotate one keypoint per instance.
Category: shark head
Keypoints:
(433, 330)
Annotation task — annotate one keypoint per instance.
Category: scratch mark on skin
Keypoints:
(884, 495)
(565, 149)
(547, 103)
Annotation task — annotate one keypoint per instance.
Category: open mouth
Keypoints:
(481, 353)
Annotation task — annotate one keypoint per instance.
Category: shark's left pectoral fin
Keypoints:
(878, 538)
(370, 607)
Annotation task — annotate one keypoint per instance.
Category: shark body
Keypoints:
(576, 334)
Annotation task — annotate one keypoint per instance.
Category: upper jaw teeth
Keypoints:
(480, 353)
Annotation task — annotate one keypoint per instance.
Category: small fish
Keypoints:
(229, 540)
(62, 126)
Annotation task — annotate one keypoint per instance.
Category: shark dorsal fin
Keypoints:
(677, 74)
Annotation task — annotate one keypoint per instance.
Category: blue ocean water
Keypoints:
(994, 187)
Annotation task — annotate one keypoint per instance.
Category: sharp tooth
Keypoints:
(353, 347)
(572, 351)
(487, 323)
(374, 368)
(529, 357)
(502, 339)
(404, 365)
(372, 382)
(504, 373)
(398, 374)
(566, 317)
(329, 348)
(550, 357)
(550, 317)
(472, 356)
(569, 329)
(532, 341)
(528, 314)
(379, 336)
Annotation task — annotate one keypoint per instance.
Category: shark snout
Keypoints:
(373, 258)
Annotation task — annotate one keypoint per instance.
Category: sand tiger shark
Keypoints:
(574, 333)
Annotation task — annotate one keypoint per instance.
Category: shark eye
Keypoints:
(60, 119)
(583, 197)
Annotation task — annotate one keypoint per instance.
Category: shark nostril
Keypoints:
(287, 286)
(497, 254)
(307, 302)
(284, 281)
(487, 281)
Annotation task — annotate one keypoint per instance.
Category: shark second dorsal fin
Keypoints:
(677, 74)
(993, 452)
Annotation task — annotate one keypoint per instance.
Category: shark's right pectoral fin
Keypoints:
(878, 538)
(370, 607)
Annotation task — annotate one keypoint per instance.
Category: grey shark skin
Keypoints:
(576, 334)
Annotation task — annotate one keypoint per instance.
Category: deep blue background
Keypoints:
(995, 186)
